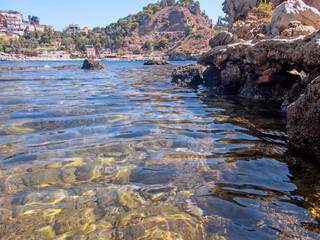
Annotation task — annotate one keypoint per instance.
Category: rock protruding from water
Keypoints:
(90, 64)
(222, 38)
(157, 62)
(190, 75)
(193, 75)
(303, 118)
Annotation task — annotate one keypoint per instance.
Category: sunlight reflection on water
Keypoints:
(123, 154)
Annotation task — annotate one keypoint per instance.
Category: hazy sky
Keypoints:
(92, 13)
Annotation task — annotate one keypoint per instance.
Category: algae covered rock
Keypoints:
(157, 62)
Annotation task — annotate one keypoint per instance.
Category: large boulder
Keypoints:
(303, 121)
(294, 10)
(222, 38)
(90, 64)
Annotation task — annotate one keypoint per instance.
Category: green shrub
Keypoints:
(166, 24)
(162, 44)
(188, 52)
(188, 30)
(264, 7)
(148, 45)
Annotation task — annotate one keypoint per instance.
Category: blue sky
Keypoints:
(93, 13)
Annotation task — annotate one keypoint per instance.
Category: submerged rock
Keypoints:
(303, 118)
(67, 67)
(90, 64)
(157, 62)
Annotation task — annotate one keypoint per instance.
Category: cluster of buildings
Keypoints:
(73, 28)
(12, 23)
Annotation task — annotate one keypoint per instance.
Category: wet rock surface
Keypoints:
(304, 121)
(189, 75)
(90, 64)
(194, 74)
(157, 62)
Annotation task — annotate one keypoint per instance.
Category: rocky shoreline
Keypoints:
(280, 63)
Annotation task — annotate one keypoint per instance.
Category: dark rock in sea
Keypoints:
(303, 121)
(193, 75)
(90, 64)
(157, 62)
(190, 75)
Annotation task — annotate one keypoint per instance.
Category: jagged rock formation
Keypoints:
(90, 64)
(254, 68)
(157, 62)
(304, 121)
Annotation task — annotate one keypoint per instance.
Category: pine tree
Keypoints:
(171, 2)
(163, 3)
(196, 8)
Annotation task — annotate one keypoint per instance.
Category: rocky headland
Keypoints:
(270, 53)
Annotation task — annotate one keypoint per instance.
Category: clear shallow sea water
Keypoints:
(124, 154)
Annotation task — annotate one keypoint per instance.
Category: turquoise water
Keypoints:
(124, 154)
